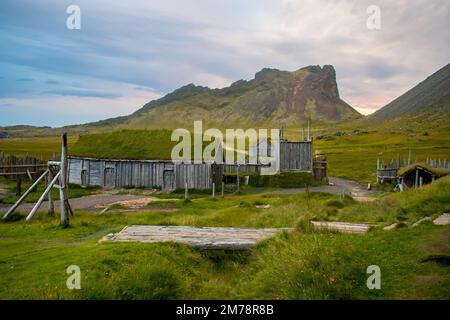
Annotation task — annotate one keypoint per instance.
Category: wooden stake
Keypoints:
(62, 182)
(238, 182)
(14, 207)
(47, 190)
(51, 208)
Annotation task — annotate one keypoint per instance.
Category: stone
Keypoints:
(442, 220)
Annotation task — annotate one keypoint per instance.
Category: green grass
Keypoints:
(125, 144)
(355, 156)
(40, 147)
(305, 264)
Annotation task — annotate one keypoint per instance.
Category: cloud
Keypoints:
(24, 79)
(82, 93)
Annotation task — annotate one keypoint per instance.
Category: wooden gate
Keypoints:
(320, 168)
(110, 178)
(84, 178)
(168, 180)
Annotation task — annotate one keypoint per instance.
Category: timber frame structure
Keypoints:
(57, 177)
(295, 156)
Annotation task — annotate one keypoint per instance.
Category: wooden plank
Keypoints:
(202, 238)
(344, 227)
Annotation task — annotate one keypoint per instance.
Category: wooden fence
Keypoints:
(13, 167)
(388, 171)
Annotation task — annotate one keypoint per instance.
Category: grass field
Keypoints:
(305, 264)
(40, 147)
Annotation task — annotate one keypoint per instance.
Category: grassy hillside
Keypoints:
(305, 264)
(125, 144)
(430, 96)
(352, 149)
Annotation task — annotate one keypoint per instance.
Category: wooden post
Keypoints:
(238, 182)
(47, 190)
(309, 132)
(420, 182)
(223, 189)
(185, 190)
(62, 181)
(18, 186)
(214, 190)
(416, 183)
(14, 207)
(51, 208)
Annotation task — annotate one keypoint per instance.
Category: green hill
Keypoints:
(125, 144)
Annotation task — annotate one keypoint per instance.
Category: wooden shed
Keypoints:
(113, 173)
(165, 174)
(414, 176)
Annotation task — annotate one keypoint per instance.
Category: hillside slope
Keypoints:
(431, 97)
(272, 97)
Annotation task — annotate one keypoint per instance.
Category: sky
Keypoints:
(127, 53)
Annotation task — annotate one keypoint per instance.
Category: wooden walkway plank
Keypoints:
(203, 238)
(344, 227)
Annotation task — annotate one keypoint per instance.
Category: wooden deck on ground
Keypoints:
(202, 238)
(344, 227)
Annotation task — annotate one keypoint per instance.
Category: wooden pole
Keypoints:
(14, 207)
(214, 190)
(51, 208)
(223, 189)
(62, 181)
(238, 182)
(18, 185)
(416, 183)
(185, 190)
(47, 190)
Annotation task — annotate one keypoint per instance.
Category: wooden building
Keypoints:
(165, 174)
(417, 175)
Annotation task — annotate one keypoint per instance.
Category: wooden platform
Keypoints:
(202, 238)
(344, 227)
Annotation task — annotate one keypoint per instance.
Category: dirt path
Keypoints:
(357, 190)
(84, 203)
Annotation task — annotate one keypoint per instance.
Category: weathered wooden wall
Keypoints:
(138, 173)
(13, 167)
(296, 156)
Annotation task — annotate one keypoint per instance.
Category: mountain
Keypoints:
(272, 97)
(430, 97)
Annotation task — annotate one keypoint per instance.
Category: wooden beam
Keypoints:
(14, 207)
(41, 198)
